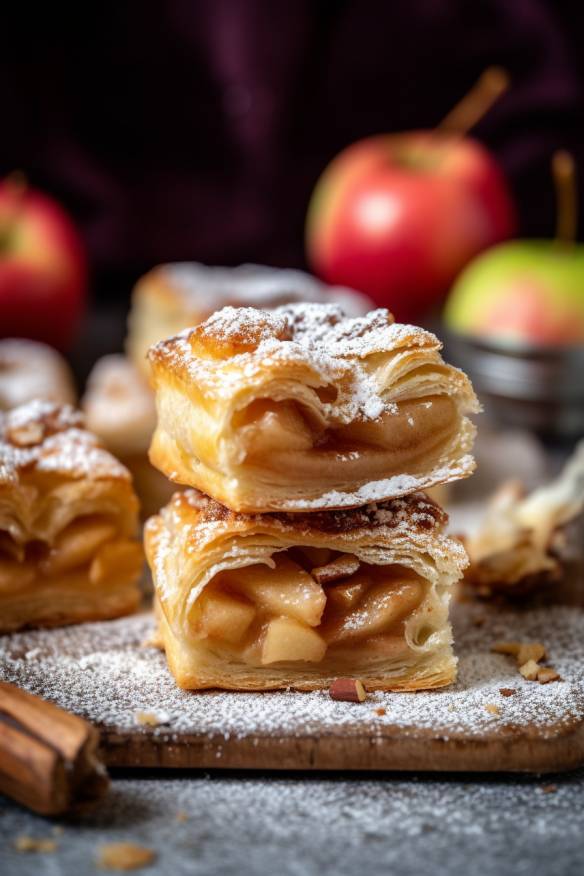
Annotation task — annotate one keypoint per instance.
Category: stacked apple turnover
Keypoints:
(304, 549)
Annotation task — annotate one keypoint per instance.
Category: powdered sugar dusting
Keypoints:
(47, 437)
(101, 672)
(238, 346)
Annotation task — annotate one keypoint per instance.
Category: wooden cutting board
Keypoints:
(104, 672)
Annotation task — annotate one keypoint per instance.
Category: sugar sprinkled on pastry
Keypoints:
(30, 370)
(303, 408)
(255, 602)
(68, 518)
(173, 297)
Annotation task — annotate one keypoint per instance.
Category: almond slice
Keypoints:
(348, 690)
(340, 567)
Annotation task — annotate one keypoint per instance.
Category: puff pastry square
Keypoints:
(119, 408)
(29, 370)
(303, 408)
(68, 519)
(173, 297)
(256, 602)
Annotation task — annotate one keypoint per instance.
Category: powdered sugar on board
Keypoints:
(103, 672)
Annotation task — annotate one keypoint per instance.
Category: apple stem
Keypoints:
(491, 85)
(564, 174)
(17, 183)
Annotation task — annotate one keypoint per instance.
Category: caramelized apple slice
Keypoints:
(344, 596)
(77, 544)
(383, 605)
(117, 561)
(385, 647)
(287, 639)
(225, 616)
(275, 426)
(286, 590)
(412, 422)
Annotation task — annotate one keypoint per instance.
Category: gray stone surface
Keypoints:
(284, 824)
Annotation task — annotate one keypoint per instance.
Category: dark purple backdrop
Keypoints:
(193, 129)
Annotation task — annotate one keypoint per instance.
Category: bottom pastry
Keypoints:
(258, 602)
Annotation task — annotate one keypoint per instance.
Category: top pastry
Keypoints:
(303, 408)
(172, 297)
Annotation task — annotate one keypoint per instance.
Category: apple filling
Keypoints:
(315, 606)
(278, 435)
(89, 549)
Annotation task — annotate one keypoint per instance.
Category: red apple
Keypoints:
(43, 268)
(398, 216)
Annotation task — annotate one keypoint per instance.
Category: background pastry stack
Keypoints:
(304, 550)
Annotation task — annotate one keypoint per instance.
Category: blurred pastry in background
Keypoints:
(119, 408)
(68, 522)
(29, 370)
(173, 297)
(522, 542)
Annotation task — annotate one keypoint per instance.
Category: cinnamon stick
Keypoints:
(48, 757)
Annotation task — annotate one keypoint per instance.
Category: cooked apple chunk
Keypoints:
(225, 616)
(412, 421)
(384, 604)
(274, 426)
(288, 589)
(288, 639)
(77, 544)
(341, 567)
(345, 595)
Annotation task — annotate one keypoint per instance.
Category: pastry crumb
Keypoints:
(511, 648)
(380, 711)
(25, 843)
(493, 709)
(507, 691)
(124, 856)
(530, 651)
(181, 815)
(530, 670)
(549, 789)
(545, 674)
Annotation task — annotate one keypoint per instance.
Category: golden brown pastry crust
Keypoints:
(173, 297)
(119, 408)
(29, 370)
(326, 375)
(195, 539)
(68, 518)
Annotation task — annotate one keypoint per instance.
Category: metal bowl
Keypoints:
(526, 386)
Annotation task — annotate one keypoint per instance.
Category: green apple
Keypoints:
(527, 291)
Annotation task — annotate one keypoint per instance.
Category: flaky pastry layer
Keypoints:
(256, 602)
(304, 408)
(173, 297)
